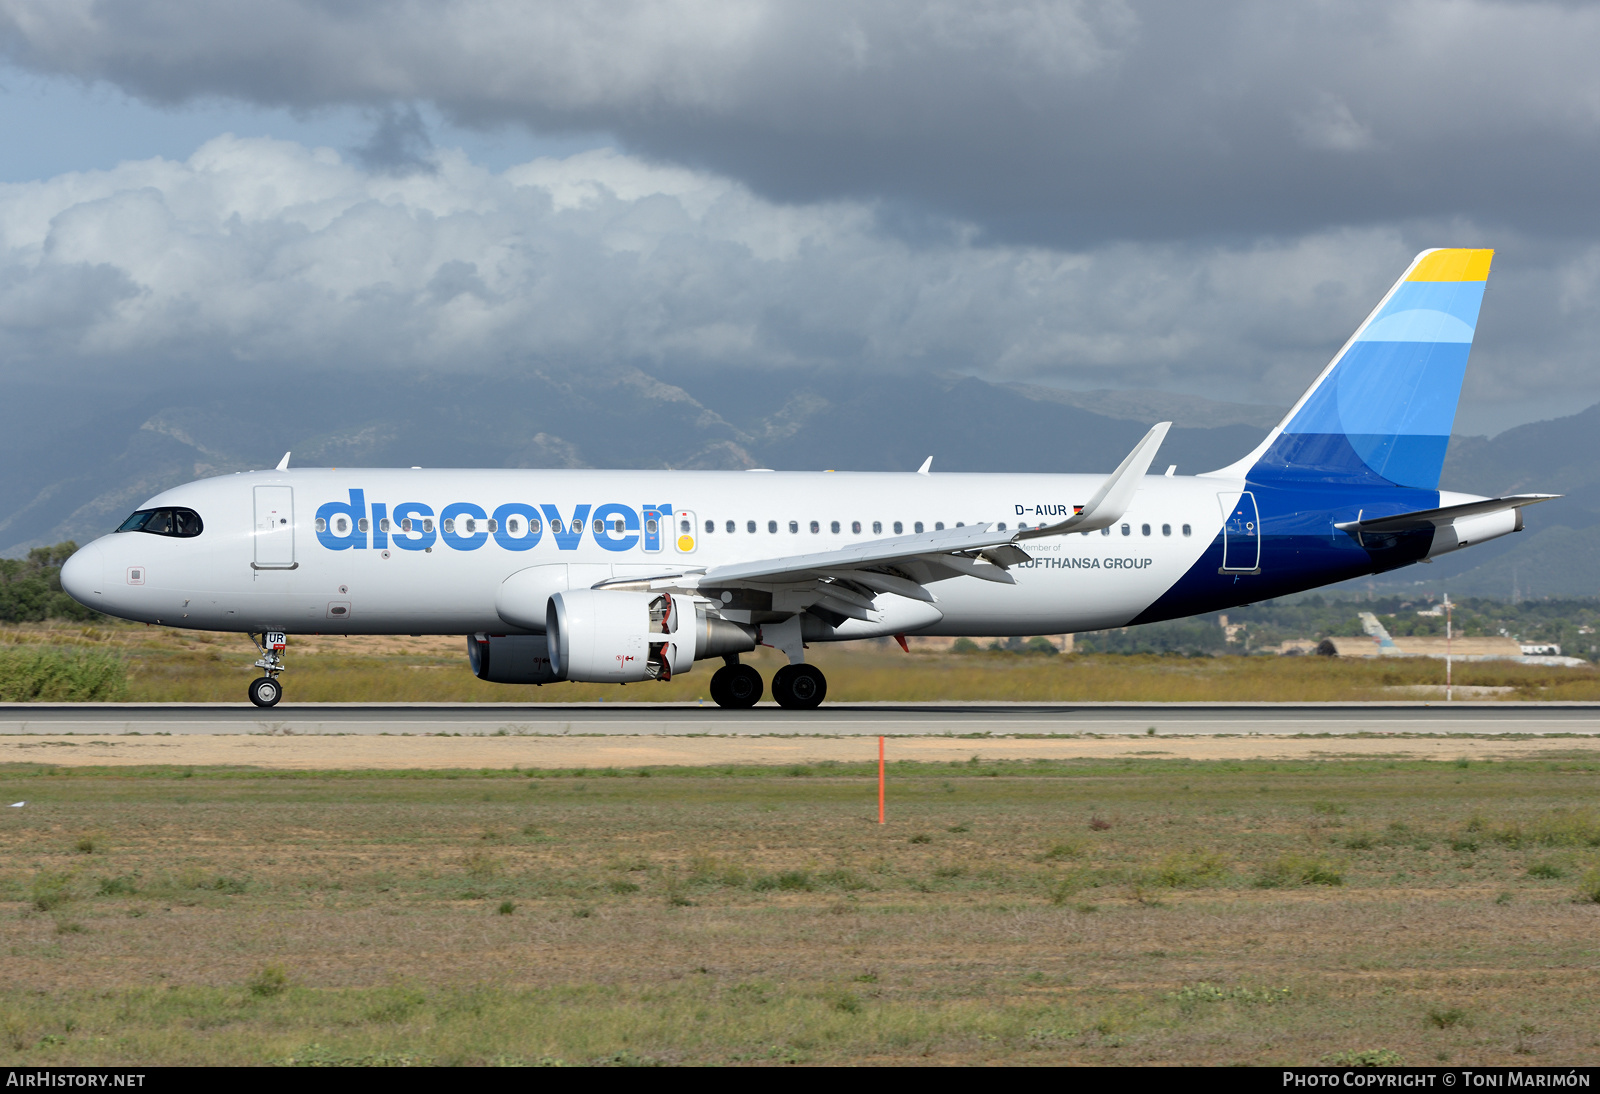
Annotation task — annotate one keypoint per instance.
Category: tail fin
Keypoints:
(1381, 412)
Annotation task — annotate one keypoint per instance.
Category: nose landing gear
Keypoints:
(265, 691)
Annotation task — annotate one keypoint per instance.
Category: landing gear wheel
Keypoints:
(799, 687)
(265, 691)
(737, 687)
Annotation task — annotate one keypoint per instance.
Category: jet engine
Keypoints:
(510, 658)
(615, 636)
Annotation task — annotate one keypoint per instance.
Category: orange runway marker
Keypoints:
(880, 780)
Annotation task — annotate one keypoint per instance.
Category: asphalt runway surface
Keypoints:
(843, 719)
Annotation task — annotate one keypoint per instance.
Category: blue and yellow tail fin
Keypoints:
(1382, 411)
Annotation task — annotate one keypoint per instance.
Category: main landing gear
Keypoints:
(795, 687)
(265, 691)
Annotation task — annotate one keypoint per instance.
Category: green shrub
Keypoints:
(1589, 887)
(1547, 870)
(51, 890)
(1290, 870)
(1446, 1017)
(1182, 870)
(268, 981)
(33, 674)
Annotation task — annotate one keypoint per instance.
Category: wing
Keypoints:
(846, 582)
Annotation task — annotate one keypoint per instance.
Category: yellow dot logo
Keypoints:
(685, 543)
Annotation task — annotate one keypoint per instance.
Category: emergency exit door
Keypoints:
(274, 528)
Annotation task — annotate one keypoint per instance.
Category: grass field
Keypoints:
(195, 666)
(1138, 911)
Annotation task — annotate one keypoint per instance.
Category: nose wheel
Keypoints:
(265, 691)
(799, 687)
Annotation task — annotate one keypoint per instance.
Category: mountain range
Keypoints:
(78, 458)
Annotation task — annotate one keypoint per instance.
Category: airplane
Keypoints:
(631, 576)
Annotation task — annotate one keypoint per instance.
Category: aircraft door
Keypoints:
(274, 528)
(654, 517)
(1241, 533)
(684, 532)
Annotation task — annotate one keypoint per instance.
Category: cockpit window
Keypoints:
(182, 523)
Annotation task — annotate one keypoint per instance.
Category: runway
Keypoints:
(840, 720)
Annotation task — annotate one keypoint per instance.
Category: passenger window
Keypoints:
(650, 526)
(535, 526)
(362, 524)
(1126, 530)
(494, 526)
(685, 527)
(855, 527)
(600, 525)
(342, 525)
(938, 526)
(750, 526)
(472, 526)
(322, 525)
(405, 524)
(815, 528)
(834, 527)
(511, 525)
(1166, 529)
(555, 526)
(449, 525)
(1144, 529)
(732, 527)
(917, 527)
(711, 526)
(1186, 529)
(427, 524)
(617, 525)
(772, 527)
(794, 527)
(384, 526)
(1001, 526)
(877, 527)
(1106, 531)
(898, 528)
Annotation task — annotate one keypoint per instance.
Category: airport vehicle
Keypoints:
(630, 576)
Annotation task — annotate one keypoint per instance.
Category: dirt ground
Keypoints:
(351, 752)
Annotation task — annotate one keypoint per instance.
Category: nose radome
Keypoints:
(83, 575)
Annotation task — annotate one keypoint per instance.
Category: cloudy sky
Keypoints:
(1201, 198)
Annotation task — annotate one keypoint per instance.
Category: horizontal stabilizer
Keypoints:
(1426, 518)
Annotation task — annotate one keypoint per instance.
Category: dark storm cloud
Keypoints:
(1200, 197)
(1068, 122)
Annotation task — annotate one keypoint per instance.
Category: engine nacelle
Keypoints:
(510, 658)
(620, 636)
(614, 636)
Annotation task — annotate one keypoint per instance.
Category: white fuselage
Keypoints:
(427, 582)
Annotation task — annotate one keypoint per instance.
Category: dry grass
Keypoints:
(190, 666)
(757, 916)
